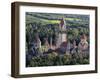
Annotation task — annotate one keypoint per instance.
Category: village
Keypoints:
(61, 46)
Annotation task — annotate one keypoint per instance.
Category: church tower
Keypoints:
(62, 36)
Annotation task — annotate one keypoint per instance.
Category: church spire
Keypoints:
(62, 24)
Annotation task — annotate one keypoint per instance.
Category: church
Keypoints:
(62, 36)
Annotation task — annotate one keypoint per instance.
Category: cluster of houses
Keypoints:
(62, 43)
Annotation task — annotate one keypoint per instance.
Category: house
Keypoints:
(83, 45)
(37, 41)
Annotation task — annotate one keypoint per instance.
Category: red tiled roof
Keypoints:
(63, 44)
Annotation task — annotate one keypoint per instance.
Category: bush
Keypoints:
(85, 61)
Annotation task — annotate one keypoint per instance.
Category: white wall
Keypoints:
(5, 40)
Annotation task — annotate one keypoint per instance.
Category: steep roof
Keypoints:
(62, 22)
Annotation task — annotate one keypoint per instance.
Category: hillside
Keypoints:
(72, 20)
